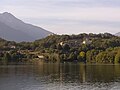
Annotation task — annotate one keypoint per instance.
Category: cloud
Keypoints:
(63, 15)
(63, 3)
(71, 26)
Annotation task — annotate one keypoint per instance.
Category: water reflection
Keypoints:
(54, 76)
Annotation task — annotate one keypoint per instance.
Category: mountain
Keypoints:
(117, 34)
(13, 29)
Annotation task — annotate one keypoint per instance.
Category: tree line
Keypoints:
(87, 48)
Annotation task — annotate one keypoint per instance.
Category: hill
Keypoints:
(87, 48)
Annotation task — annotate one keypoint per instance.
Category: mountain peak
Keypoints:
(12, 28)
(7, 14)
(8, 18)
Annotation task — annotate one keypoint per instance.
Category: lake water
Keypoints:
(67, 76)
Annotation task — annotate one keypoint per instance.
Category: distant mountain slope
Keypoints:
(14, 29)
(11, 34)
(117, 34)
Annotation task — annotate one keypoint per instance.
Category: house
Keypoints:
(40, 56)
(87, 41)
(12, 47)
(61, 43)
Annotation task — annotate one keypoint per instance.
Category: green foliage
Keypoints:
(7, 56)
(91, 55)
(106, 56)
(117, 57)
(66, 47)
(59, 47)
(72, 56)
(82, 54)
(101, 48)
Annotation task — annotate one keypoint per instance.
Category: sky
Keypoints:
(67, 16)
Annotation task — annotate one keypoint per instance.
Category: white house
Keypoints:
(40, 56)
(87, 41)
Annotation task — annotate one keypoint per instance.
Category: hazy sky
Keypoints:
(67, 16)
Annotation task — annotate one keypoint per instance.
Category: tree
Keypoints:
(7, 57)
(117, 58)
(59, 47)
(105, 57)
(66, 47)
(91, 55)
(82, 56)
(72, 56)
(88, 56)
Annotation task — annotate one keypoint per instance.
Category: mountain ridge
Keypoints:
(31, 32)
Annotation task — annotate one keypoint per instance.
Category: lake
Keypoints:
(63, 76)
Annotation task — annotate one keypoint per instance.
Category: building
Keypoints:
(87, 41)
(40, 56)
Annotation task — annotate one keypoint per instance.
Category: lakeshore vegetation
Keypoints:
(86, 48)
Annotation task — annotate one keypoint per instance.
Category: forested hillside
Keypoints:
(87, 48)
(93, 48)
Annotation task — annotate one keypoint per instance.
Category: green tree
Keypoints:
(59, 47)
(7, 57)
(72, 56)
(117, 58)
(66, 47)
(82, 56)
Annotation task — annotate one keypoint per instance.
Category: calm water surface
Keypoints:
(67, 76)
